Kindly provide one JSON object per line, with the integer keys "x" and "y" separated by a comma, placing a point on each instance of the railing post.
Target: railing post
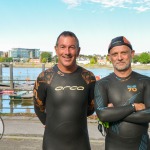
{"x": 11, "y": 76}
{"x": 0, "y": 72}
{"x": 1, "y": 105}
{"x": 43, "y": 67}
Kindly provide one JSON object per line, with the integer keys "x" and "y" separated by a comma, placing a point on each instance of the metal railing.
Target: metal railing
{"x": 10, "y": 86}
{"x": 20, "y": 97}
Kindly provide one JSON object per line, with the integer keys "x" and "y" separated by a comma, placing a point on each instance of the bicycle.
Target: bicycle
{"x": 1, "y": 127}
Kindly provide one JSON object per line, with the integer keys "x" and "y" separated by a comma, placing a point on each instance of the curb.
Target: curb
{"x": 41, "y": 138}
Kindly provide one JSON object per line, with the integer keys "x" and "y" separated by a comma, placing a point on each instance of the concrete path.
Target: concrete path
{"x": 25, "y": 133}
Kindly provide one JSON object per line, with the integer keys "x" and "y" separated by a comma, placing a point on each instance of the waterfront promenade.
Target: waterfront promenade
{"x": 48, "y": 65}
{"x": 25, "y": 133}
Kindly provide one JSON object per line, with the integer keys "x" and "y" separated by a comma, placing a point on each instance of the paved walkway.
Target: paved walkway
{"x": 25, "y": 133}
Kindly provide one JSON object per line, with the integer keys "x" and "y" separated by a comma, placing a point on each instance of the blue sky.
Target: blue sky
{"x": 37, "y": 23}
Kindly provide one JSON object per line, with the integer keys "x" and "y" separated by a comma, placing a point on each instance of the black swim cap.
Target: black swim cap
{"x": 120, "y": 40}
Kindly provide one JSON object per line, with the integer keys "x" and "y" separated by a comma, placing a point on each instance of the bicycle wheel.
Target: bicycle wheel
{"x": 1, "y": 127}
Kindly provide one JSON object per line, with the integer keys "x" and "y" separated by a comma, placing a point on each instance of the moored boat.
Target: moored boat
{"x": 8, "y": 92}
{"x": 17, "y": 95}
{"x": 27, "y": 99}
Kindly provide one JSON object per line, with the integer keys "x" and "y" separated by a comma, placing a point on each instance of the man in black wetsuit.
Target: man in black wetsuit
{"x": 123, "y": 100}
{"x": 63, "y": 98}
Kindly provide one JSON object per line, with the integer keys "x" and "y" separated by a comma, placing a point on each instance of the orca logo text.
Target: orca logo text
{"x": 72, "y": 88}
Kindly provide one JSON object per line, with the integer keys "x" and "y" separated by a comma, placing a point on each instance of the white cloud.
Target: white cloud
{"x": 142, "y": 9}
{"x": 112, "y": 3}
{"x": 138, "y": 5}
{"x": 72, "y": 3}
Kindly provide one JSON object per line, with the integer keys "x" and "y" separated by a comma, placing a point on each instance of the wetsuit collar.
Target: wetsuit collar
{"x": 57, "y": 68}
{"x": 122, "y": 79}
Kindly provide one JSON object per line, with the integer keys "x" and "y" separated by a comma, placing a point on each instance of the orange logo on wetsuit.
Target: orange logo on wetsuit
{"x": 132, "y": 88}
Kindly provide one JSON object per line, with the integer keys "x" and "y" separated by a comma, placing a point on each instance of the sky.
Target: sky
{"x": 37, "y": 23}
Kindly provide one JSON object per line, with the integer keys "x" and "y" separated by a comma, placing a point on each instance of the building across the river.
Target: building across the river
{"x": 24, "y": 53}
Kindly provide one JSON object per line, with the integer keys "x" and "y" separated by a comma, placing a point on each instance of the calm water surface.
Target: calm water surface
{"x": 9, "y": 106}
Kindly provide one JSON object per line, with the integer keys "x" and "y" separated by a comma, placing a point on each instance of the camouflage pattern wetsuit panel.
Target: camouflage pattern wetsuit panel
{"x": 62, "y": 102}
{"x": 128, "y": 129}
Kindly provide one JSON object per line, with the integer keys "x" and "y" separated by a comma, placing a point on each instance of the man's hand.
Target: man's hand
{"x": 110, "y": 105}
{"x": 139, "y": 106}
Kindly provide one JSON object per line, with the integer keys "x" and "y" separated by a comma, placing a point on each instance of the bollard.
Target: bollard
{"x": 43, "y": 67}
{"x": 0, "y": 72}
{"x": 11, "y": 76}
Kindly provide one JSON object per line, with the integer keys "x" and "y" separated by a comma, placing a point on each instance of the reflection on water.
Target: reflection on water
{"x": 8, "y": 105}
{"x": 26, "y": 106}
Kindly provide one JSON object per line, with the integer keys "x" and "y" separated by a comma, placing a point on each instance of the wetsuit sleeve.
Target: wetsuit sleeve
{"x": 91, "y": 99}
{"x": 142, "y": 116}
{"x": 104, "y": 113}
{"x": 40, "y": 98}
{"x": 139, "y": 117}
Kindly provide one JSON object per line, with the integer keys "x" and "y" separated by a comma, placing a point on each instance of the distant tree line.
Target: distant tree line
{"x": 143, "y": 58}
{"x": 6, "y": 59}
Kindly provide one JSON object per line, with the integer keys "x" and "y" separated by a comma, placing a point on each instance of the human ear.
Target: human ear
{"x": 109, "y": 58}
{"x": 78, "y": 51}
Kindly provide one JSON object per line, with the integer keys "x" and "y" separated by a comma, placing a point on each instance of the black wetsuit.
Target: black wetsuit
{"x": 128, "y": 129}
{"x": 62, "y": 102}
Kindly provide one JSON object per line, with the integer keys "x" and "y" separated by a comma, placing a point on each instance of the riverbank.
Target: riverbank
{"x": 92, "y": 66}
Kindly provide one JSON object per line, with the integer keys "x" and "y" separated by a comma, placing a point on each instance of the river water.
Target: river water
{"x": 7, "y": 106}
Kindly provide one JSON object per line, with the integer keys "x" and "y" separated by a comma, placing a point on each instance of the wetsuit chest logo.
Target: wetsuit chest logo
{"x": 132, "y": 88}
{"x": 72, "y": 88}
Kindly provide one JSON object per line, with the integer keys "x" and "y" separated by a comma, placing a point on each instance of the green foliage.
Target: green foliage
{"x": 6, "y": 59}
{"x": 2, "y": 59}
{"x": 28, "y": 60}
{"x": 44, "y": 60}
{"x": 144, "y": 58}
{"x": 107, "y": 58}
{"x": 55, "y": 59}
{"x": 47, "y": 56}
{"x": 135, "y": 59}
{"x": 93, "y": 60}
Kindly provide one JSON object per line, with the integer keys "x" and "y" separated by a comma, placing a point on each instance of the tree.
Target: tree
{"x": 47, "y": 56}
{"x": 2, "y": 59}
{"x": 135, "y": 59}
{"x": 44, "y": 60}
{"x": 55, "y": 59}
{"x": 9, "y": 59}
{"x": 93, "y": 60}
{"x": 144, "y": 58}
